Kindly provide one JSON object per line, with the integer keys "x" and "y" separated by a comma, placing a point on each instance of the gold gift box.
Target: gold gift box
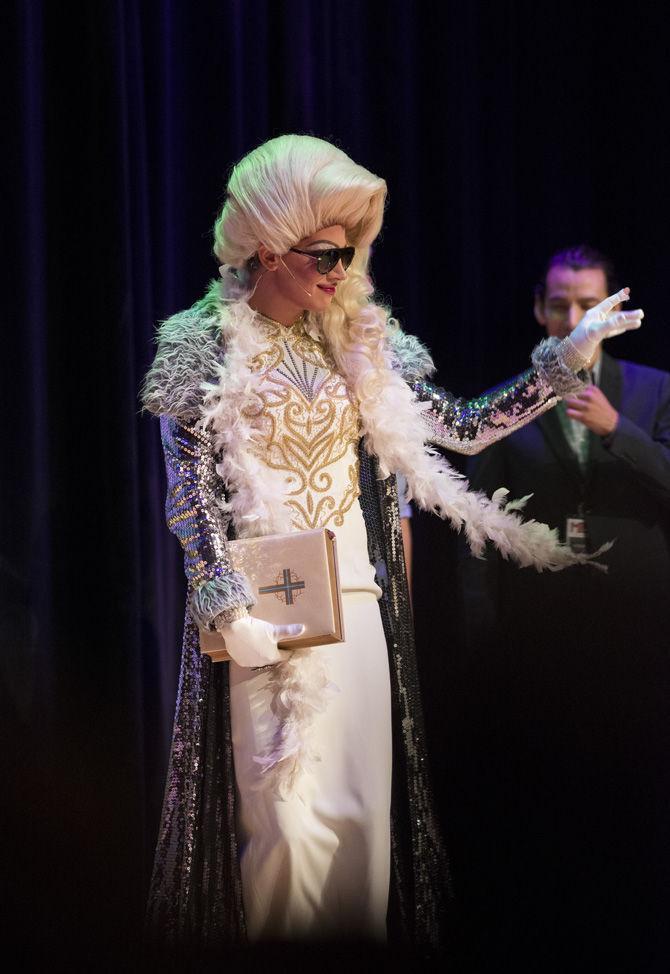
{"x": 294, "y": 578}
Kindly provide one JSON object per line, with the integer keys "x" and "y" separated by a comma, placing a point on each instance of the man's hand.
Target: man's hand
{"x": 592, "y": 408}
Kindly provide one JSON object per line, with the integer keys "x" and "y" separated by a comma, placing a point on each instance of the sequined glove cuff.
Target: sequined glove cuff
{"x": 570, "y": 356}
{"x": 228, "y": 591}
{"x": 561, "y": 365}
{"x": 230, "y": 615}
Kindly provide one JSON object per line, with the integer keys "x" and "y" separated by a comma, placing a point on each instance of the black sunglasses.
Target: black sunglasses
{"x": 327, "y": 259}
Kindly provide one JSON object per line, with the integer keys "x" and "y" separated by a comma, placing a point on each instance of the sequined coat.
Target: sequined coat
{"x": 195, "y": 894}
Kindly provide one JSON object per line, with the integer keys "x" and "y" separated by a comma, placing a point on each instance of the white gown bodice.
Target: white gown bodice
{"x": 308, "y": 428}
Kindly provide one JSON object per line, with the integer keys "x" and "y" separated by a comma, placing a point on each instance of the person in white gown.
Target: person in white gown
{"x": 287, "y": 397}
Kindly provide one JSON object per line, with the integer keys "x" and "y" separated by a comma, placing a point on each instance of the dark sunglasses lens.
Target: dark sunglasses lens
{"x": 329, "y": 258}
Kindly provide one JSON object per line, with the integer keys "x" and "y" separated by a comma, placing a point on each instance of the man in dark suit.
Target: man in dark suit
{"x": 578, "y": 699}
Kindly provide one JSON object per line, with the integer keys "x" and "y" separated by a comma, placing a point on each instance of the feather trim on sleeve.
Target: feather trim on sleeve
{"x": 229, "y": 591}
{"x": 407, "y": 354}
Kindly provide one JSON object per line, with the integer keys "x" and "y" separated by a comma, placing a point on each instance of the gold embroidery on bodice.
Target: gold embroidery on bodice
{"x": 307, "y": 426}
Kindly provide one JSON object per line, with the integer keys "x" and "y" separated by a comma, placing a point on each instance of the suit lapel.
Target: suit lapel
{"x": 611, "y": 381}
{"x": 553, "y": 434}
{"x": 611, "y": 384}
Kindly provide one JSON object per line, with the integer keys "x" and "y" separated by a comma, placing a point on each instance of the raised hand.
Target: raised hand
{"x": 253, "y": 642}
{"x": 599, "y": 323}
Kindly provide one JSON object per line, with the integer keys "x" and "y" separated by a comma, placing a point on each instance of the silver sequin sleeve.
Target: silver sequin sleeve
{"x": 469, "y": 426}
{"x": 194, "y": 513}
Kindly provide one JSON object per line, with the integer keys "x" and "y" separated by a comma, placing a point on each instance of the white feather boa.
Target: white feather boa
{"x": 256, "y": 492}
{"x": 393, "y": 430}
{"x": 299, "y": 686}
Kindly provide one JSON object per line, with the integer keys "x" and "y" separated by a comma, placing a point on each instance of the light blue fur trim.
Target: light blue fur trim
{"x": 410, "y": 357}
{"x": 189, "y": 352}
{"x": 229, "y": 591}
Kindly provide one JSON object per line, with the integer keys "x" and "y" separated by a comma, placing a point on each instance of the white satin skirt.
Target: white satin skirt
{"x": 317, "y": 864}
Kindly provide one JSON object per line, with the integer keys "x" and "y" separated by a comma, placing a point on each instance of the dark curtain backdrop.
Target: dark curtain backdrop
{"x": 504, "y": 131}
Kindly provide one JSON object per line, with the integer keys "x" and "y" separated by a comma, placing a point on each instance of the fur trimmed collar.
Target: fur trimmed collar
{"x": 192, "y": 347}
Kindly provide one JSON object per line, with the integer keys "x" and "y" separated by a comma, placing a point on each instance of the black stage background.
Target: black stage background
{"x": 504, "y": 131}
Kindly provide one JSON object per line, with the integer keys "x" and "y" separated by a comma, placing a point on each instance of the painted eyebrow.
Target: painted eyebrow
{"x": 329, "y": 242}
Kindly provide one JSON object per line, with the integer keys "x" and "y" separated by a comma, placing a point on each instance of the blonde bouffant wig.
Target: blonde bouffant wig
{"x": 290, "y": 187}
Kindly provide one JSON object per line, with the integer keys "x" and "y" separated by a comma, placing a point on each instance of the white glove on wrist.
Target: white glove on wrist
{"x": 598, "y": 324}
{"x": 253, "y": 642}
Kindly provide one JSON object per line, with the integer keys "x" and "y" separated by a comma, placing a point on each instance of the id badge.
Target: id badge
{"x": 575, "y": 534}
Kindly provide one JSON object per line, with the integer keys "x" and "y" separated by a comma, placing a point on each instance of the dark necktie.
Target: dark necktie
{"x": 575, "y": 432}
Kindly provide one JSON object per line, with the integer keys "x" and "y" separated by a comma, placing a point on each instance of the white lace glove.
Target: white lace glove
{"x": 253, "y": 642}
{"x": 596, "y": 325}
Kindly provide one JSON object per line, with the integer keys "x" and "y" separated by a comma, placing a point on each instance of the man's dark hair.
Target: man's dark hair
{"x": 579, "y": 258}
